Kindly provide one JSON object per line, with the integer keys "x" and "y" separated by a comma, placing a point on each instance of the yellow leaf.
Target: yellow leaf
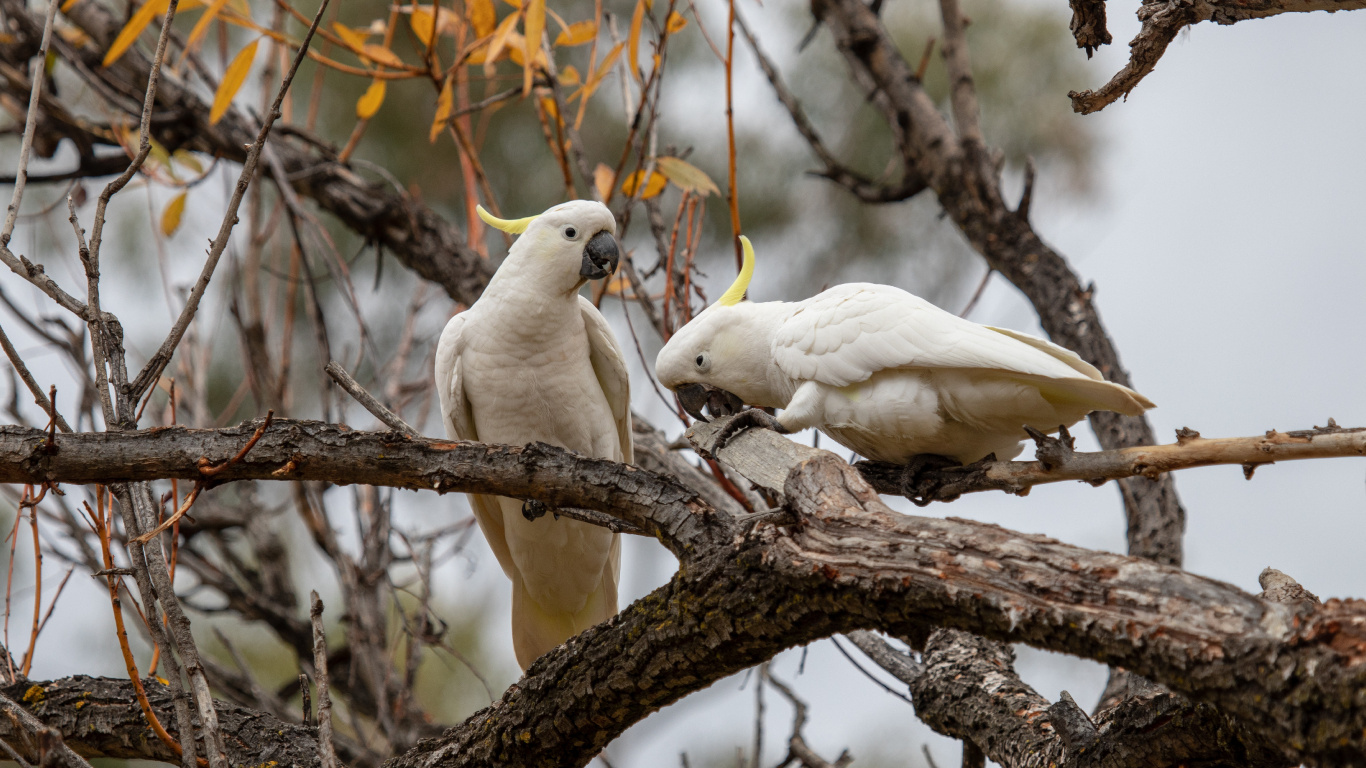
{"x": 369, "y": 102}
{"x": 443, "y": 110}
{"x": 535, "y": 28}
{"x": 633, "y": 42}
{"x": 514, "y": 3}
{"x": 482, "y": 16}
{"x": 686, "y": 176}
{"x": 603, "y": 69}
{"x": 499, "y": 41}
{"x": 603, "y": 178}
{"x": 243, "y": 7}
{"x": 653, "y": 186}
{"x": 170, "y": 217}
{"x": 618, "y": 285}
{"x": 569, "y": 76}
{"x": 149, "y": 10}
{"x": 353, "y": 39}
{"x": 74, "y": 36}
{"x": 578, "y": 33}
{"x": 548, "y": 105}
{"x": 66, "y": 6}
{"x": 422, "y": 23}
{"x": 381, "y": 55}
{"x": 202, "y": 25}
{"x": 233, "y": 77}
{"x": 676, "y": 22}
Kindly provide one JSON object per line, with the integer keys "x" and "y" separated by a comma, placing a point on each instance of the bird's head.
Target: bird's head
{"x": 570, "y": 243}
{"x": 721, "y": 359}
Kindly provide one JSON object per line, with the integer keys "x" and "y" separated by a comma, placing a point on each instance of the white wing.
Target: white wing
{"x": 846, "y": 334}
{"x": 609, "y": 365}
{"x": 459, "y": 422}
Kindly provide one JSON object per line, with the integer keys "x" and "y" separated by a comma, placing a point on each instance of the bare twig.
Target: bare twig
{"x": 38, "y": 396}
{"x": 375, "y": 407}
{"x": 37, "y": 72}
{"x": 327, "y": 755}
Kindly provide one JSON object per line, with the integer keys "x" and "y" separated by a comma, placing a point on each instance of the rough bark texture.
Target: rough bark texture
{"x": 100, "y": 717}
{"x": 743, "y": 593}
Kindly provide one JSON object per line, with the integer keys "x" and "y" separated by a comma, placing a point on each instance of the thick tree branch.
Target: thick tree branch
{"x": 1163, "y": 19}
{"x": 99, "y": 717}
{"x": 310, "y": 450}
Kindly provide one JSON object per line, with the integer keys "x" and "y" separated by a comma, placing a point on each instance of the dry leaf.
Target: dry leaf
{"x": 233, "y": 77}
{"x": 602, "y": 71}
{"x": 422, "y": 23}
{"x": 443, "y": 110}
{"x": 354, "y": 39}
{"x": 499, "y": 42}
{"x": 676, "y": 22}
{"x": 569, "y": 76}
{"x": 381, "y": 55}
{"x": 129, "y": 34}
{"x": 187, "y": 159}
{"x": 170, "y": 217}
{"x": 603, "y": 178}
{"x": 482, "y": 16}
{"x": 578, "y": 33}
{"x": 535, "y": 28}
{"x": 653, "y": 186}
{"x": 369, "y": 103}
{"x": 686, "y": 176}
{"x": 202, "y": 25}
{"x": 633, "y": 42}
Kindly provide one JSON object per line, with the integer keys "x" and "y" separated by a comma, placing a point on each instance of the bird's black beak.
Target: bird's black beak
{"x": 718, "y": 402}
{"x": 600, "y": 256}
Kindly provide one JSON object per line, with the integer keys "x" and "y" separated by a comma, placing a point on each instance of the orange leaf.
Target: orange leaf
{"x": 170, "y": 217}
{"x": 603, "y": 178}
{"x": 633, "y": 42}
{"x": 578, "y": 33}
{"x": 603, "y": 69}
{"x": 422, "y": 23}
{"x": 353, "y": 39}
{"x": 381, "y": 55}
{"x": 443, "y": 111}
{"x": 482, "y": 16}
{"x": 369, "y": 102}
{"x": 535, "y": 28}
{"x": 676, "y": 22}
{"x": 202, "y": 25}
{"x": 569, "y": 76}
{"x": 233, "y": 77}
{"x": 129, "y": 34}
{"x": 653, "y": 186}
{"x": 499, "y": 41}
{"x": 686, "y": 176}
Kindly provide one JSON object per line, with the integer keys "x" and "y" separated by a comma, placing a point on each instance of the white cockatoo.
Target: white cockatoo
{"x": 531, "y": 361}
{"x": 882, "y": 372}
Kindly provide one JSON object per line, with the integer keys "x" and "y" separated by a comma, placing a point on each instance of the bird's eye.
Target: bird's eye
{"x": 570, "y": 233}
{"x": 703, "y": 363}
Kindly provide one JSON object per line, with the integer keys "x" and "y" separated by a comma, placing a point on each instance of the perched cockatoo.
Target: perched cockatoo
{"x": 882, "y": 372}
{"x": 533, "y": 360}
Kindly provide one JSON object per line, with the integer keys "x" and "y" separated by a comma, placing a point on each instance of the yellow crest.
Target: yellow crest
{"x": 511, "y": 226}
{"x": 736, "y": 292}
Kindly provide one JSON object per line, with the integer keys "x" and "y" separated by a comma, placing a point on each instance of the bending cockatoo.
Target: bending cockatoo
{"x": 531, "y": 361}
{"x": 882, "y": 372}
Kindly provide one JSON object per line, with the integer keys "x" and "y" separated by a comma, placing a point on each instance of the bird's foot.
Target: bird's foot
{"x": 532, "y": 509}
{"x": 1052, "y": 452}
{"x": 926, "y": 477}
{"x": 747, "y": 419}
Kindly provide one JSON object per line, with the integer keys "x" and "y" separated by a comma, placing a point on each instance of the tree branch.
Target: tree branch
{"x": 1163, "y": 19}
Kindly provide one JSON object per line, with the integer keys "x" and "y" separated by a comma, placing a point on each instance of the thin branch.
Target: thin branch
{"x": 375, "y": 407}
{"x": 34, "y": 389}
{"x": 37, "y": 69}
{"x": 327, "y": 755}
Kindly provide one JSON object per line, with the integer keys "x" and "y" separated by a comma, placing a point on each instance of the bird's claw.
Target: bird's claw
{"x": 747, "y": 419}
{"x": 532, "y": 509}
{"x": 1052, "y": 452}
{"x": 921, "y": 478}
